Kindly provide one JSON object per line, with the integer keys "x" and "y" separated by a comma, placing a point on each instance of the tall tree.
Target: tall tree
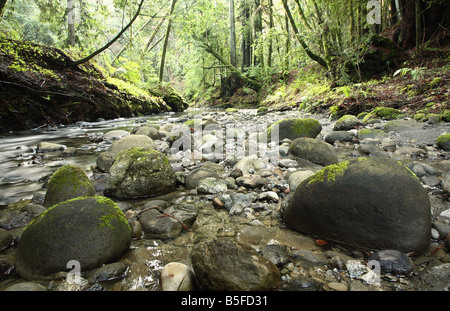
{"x": 315, "y": 57}
{"x": 166, "y": 40}
{"x": 233, "y": 76}
{"x": 71, "y": 23}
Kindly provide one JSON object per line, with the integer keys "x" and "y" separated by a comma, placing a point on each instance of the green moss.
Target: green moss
{"x": 362, "y": 115}
{"x": 446, "y": 115}
{"x": 105, "y": 221}
{"x": 443, "y": 139}
{"x": 329, "y": 173}
{"x": 70, "y": 174}
{"x": 190, "y": 122}
{"x": 383, "y": 112}
{"x": 304, "y": 126}
{"x": 435, "y": 82}
{"x": 231, "y": 110}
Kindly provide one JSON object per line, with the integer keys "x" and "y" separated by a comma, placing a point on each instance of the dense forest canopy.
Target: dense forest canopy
{"x": 198, "y": 46}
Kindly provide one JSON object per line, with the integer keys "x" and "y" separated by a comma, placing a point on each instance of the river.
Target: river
{"x": 23, "y": 169}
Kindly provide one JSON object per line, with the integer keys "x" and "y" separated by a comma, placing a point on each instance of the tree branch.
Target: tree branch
{"x": 89, "y": 57}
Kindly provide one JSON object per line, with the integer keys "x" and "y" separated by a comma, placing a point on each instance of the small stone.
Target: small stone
{"x": 338, "y": 286}
{"x": 176, "y": 276}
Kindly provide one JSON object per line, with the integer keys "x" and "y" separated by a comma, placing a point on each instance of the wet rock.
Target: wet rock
{"x": 19, "y": 215}
{"x": 292, "y": 129}
{"x": 276, "y": 254}
{"x": 443, "y": 142}
{"x": 393, "y": 262}
{"x": 194, "y": 177}
{"x": 91, "y": 229}
{"x": 169, "y": 223}
{"x": 314, "y": 150}
{"x": 224, "y": 264}
{"x": 150, "y": 132}
{"x": 106, "y": 159}
{"x": 346, "y": 123}
{"x": 176, "y": 276}
{"x": 115, "y": 135}
{"x": 5, "y": 239}
{"x": 395, "y": 213}
{"x": 211, "y": 185}
{"x": 436, "y": 278}
{"x": 138, "y": 173}
{"x": 335, "y": 136}
{"x": 25, "y": 287}
{"x": 109, "y": 272}
{"x": 250, "y": 163}
{"x": 302, "y": 283}
{"x": 66, "y": 183}
{"x": 297, "y": 177}
{"x": 49, "y": 147}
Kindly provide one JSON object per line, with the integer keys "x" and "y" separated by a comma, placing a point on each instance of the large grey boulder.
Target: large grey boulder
{"x": 373, "y": 203}
{"x": 90, "y": 230}
{"x": 314, "y": 150}
{"x": 138, "y": 173}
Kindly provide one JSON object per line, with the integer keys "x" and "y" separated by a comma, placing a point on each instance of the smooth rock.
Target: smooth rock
{"x": 226, "y": 265}
{"x": 176, "y": 276}
{"x": 371, "y": 202}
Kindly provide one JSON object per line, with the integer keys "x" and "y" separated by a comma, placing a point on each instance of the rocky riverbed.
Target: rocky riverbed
{"x": 205, "y": 213}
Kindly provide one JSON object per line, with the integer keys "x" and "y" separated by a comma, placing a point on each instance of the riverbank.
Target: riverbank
{"x": 240, "y": 200}
{"x": 41, "y": 87}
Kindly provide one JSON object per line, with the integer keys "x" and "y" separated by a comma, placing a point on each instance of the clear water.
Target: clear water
{"x": 22, "y": 168}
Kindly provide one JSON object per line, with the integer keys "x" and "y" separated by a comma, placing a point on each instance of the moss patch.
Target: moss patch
{"x": 329, "y": 173}
{"x": 383, "y": 112}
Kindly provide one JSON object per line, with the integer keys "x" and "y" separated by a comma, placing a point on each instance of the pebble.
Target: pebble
{"x": 338, "y": 286}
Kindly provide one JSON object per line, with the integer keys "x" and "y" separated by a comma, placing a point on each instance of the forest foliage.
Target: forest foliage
{"x": 213, "y": 48}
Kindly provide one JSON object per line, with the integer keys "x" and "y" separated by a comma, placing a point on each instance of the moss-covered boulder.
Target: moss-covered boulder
{"x": 138, "y": 173}
{"x": 346, "y": 123}
{"x": 385, "y": 113}
{"x": 292, "y": 129}
{"x": 66, "y": 183}
{"x": 314, "y": 150}
{"x": 106, "y": 159}
{"x": 443, "y": 142}
{"x": 372, "y": 203}
{"x": 91, "y": 230}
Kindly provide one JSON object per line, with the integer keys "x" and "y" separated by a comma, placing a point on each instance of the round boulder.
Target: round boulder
{"x": 106, "y": 159}
{"x": 66, "y": 183}
{"x": 138, "y": 173}
{"x": 314, "y": 150}
{"x": 292, "y": 129}
{"x": 373, "y": 203}
{"x": 91, "y": 230}
{"x": 227, "y": 265}
{"x": 346, "y": 123}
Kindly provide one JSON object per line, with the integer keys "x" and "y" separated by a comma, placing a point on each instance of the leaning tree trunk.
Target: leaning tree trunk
{"x": 166, "y": 40}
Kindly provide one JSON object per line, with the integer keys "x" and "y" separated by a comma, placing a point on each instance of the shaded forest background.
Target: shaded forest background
{"x": 225, "y": 53}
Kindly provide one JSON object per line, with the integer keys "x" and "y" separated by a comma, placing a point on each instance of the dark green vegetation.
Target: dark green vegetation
{"x": 123, "y": 58}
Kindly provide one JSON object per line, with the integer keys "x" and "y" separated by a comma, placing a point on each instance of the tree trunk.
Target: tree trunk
{"x": 270, "y": 49}
{"x": 71, "y": 23}
{"x": 2, "y": 6}
{"x": 308, "y": 51}
{"x": 233, "y": 76}
{"x": 246, "y": 45}
{"x": 166, "y": 40}
{"x": 89, "y": 57}
{"x": 252, "y": 83}
{"x": 418, "y": 13}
